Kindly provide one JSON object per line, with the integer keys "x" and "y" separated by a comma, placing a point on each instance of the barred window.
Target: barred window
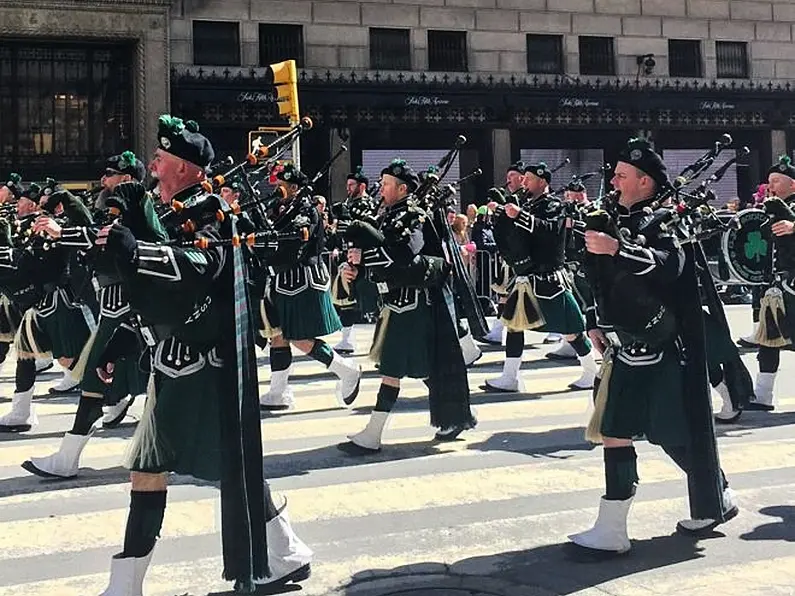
{"x": 545, "y": 54}
{"x": 684, "y": 58}
{"x": 390, "y": 49}
{"x": 281, "y": 42}
{"x": 447, "y": 51}
{"x": 732, "y": 59}
{"x": 597, "y": 56}
{"x": 216, "y": 43}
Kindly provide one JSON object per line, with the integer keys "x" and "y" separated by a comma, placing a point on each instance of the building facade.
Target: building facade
{"x": 539, "y": 79}
{"x": 79, "y": 80}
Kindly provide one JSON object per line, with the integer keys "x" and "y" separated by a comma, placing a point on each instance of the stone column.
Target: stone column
{"x": 339, "y": 169}
{"x": 778, "y": 143}
{"x": 501, "y": 143}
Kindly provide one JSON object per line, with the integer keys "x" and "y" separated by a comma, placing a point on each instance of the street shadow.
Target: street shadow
{"x": 752, "y": 420}
{"x": 261, "y": 591}
{"x": 543, "y": 444}
{"x": 557, "y": 569}
{"x": 124, "y": 431}
{"x": 783, "y": 530}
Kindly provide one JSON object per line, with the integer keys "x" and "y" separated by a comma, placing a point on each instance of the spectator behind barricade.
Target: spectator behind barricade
{"x": 461, "y": 233}
{"x": 472, "y": 213}
{"x": 482, "y": 234}
{"x": 762, "y": 192}
{"x": 451, "y": 213}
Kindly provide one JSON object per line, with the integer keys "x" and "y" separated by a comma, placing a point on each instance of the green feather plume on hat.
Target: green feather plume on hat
{"x": 171, "y": 123}
{"x": 398, "y": 162}
{"x": 127, "y": 160}
{"x": 785, "y": 159}
{"x": 15, "y": 178}
{"x": 542, "y": 164}
{"x": 360, "y": 169}
{"x": 433, "y": 169}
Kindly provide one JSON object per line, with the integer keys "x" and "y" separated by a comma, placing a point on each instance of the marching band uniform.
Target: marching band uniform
{"x": 122, "y": 179}
{"x": 576, "y": 199}
{"x": 201, "y": 416}
{"x": 416, "y": 334}
{"x": 514, "y": 176}
{"x": 297, "y": 307}
{"x": 647, "y": 385}
{"x": 54, "y": 325}
{"x": 777, "y": 313}
{"x": 539, "y": 296}
{"x": 359, "y": 298}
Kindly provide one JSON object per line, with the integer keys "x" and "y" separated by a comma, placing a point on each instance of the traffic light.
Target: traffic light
{"x": 285, "y": 80}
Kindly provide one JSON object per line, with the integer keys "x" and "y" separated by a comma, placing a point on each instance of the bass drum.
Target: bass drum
{"x": 747, "y": 249}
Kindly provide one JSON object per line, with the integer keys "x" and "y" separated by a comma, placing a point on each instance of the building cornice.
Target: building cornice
{"x": 89, "y": 5}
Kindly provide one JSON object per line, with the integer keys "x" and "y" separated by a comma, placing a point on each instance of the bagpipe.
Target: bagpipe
{"x": 434, "y": 199}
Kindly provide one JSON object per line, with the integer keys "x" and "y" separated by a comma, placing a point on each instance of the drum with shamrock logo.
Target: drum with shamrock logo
{"x": 747, "y": 248}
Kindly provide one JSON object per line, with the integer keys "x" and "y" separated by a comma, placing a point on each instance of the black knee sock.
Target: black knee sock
{"x": 143, "y": 523}
{"x": 581, "y": 345}
{"x": 348, "y": 316}
{"x": 715, "y": 374}
{"x": 25, "y": 375}
{"x": 271, "y": 511}
{"x": 281, "y": 358}
{"x": 322, "y": 352}
{"x": 514, "y": 344}
{"x": 387, "y": 398}
{"x": 89, "y": 410}
{"x": 621, "y": 473}
{"x": 4, "y": 348}
{"x": 768, "y": 359}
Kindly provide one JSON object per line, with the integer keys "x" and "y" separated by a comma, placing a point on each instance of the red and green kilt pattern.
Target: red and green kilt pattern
{"x": 645, "y": 396}
{"x": 55, "y": 327}
{"x": 185, "y": 425}
{"x": 404, "y": 339}
{"x": 306, "y": 315}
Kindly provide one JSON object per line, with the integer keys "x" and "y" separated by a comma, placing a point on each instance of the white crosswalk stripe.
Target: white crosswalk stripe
{"x": 518, "y": 483}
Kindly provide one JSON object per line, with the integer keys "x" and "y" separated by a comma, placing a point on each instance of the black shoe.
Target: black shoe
{"x": 756, "y": 406}
{"x": 352, "y": 448}
{"x": 731, "y": 420}
{"x": 707, "y": 529}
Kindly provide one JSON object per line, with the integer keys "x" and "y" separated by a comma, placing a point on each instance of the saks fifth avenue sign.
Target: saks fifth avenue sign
{"x": 426, "y": 100}
{"x": 255, "y": 97}
{"x": 578, "y": 102}
{"x": 716, "y": 105}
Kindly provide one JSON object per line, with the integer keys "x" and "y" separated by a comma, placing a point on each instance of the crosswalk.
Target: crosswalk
{"x": 501, "y": 500}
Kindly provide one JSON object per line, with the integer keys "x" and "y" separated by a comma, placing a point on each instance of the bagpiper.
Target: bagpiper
{"x": 416, "y": 335}
{"x": 645, "y": 311}
{"x": 297, "y": 307}
{"x": 201, "y": 417}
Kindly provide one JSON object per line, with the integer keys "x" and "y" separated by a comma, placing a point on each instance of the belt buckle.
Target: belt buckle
{"x": 149, "y": 337}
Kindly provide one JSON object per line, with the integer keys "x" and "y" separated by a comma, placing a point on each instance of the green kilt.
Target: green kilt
{"x": 184, "y": 415}
{"x": 645, "y": 396}
{"x": 561, "y": 314}
{"x": 405, "y": 339}
{"x": 55, "y": 326}
{"x": 306, "y": 315}
{"x": 128, "y": 379}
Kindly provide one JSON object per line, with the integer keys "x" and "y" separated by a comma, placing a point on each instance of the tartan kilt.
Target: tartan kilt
{"x": 55, "y": 327}
{"x": 306, "y": 315}
{"x": 179, "y": 431}
{"x": 645, "y": 396}
{"x": 404, "y": 339}
{"x": 10, "y": 317}
{"x": 127, "y": 375}
{"x": 561, "y": 314}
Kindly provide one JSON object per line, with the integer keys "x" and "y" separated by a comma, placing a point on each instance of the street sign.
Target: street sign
{"x": 265, "y": 136}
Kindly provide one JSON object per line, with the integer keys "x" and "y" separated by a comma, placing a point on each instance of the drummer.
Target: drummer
{"x": 776, "y": 331}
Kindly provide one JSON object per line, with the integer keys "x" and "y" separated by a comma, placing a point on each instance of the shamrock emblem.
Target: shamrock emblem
{"x": 165, "y": 143}
{"x": 782, "y": 167}
{"x": 635, "y": 154}
{"x": 540, "y": 172}
{"x": 755, "y": 246}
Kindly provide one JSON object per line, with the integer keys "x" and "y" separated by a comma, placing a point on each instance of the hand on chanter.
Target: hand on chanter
{"x": 783, "y": 228}
{"x": 599, "y": 243}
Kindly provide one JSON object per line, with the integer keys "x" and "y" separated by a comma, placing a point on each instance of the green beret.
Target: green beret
{"x": 539, "y": 169}
{"x": 403, "y": 172}
{"x": 516, "y": 167}
{"x": 183, "y": 140}
{"x": 14, "y": 184}
{"x": 358, "y": 176}
{"x": 783, "y": 167}
{"x": 639, "y": 153}
{"x": 575, "y": 185}
{"x": 292, "y": 175}
{"x": 127, "y": 163}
